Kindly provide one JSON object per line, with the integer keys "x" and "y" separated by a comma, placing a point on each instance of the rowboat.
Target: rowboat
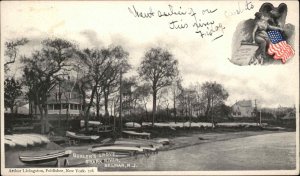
{"x": 138, "y": 144}
{"x": 58, "y": 139}
{"x": 104, "y": 129}
{"x": 9, "y": 143}
{"x": 47, "y": 158}
{"x": 134, "y": 133}
{"x": 272, "y": 128}
{"x": 27, "y": 140}
{"x": 116, "y": 148}
{"x": 142, "y": 146}
{"x": 132, "y": 125}
{"x": 34, "y": 139}
{"x": 148, "y": 148}
{"x": 23, "y": 128}
{"x": 90, "y": 123}
{"x": 18, "y": 141}
{"x": 163, "y": 141}
{"x": 80, "y": 136}
{"x": 43, "y": 139}
{"x": 152, "y": 143}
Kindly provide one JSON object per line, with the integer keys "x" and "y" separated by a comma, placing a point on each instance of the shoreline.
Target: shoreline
{"x": 184, "y": 140}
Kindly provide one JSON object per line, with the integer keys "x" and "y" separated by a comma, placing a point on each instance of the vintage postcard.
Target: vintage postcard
{"x": 150, "y": 87}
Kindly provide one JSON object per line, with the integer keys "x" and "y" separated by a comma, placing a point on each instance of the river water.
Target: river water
{"x": 263, "y": 152}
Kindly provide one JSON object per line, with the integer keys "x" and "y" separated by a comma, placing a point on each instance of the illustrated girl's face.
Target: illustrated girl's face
{"x": 264, "y": 17}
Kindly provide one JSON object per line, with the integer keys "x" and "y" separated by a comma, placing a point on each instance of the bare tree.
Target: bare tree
{"x": 11, "y": 51}
{"x": 98, "y": 101}
{"x": 101, "y": 69}
{"x": 176, "y": 89}
{"x": 68, "y": 86}
{"x": 42, "y": 71}
{"x": 187, "y": 100}
{"x": 130, "y": 96}
{"x": 199, "y": 104}
{"x": 159, "y": 68}
{"x": 213, "y": 94}
{"x": 163, "y": 102}
{"x": 12, "y": 90}
{"x": 110, "y": 82}
{"x": 94, "y": 64}
{"x": 84, "y": 84}
{"x": 141, "y": 93}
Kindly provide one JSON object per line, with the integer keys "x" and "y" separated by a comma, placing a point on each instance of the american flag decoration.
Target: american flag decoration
{"x": 279, "y": 47}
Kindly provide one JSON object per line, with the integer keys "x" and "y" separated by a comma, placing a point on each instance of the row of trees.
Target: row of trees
{"x": 100, "y": 80}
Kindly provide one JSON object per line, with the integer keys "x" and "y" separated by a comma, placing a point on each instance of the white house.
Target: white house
{"x": 243, "y": 108}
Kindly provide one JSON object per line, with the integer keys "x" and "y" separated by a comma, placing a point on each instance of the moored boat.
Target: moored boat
{"x": 18, "y": 141}
{"x": 145, "y": 147}
{"x": 80, "y": 136}
{"x": 104, "y": 129}
{"x": 90, "y": 123}
{"x": 116, "y": 148}
{"x": 148, "y": 148}
{"x": 34, "y": 139}
{"x": 9, "y": 143}
{"x": 134, "y": 133}
{"x": 43, "y": 139}
{"x": 153, "y": 146}
{"x": 273, "y": 128}
{"x": 139, "y": 142}
{"x": 23, "y": 128}
{"x": 26, "y": 139}
{"x": 163, "y": 141}
{"x": 132, "y": 125}
{"x": 42, "y": 159}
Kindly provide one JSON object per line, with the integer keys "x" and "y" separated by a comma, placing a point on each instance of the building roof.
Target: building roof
{"x": 244, "y": 103}
{"x": 289, "y": 116}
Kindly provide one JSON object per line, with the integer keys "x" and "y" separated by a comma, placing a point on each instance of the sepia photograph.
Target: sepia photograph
{"x": 150, "y": 87}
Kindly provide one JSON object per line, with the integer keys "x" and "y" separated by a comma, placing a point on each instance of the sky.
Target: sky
{"x": 100, "y": 24}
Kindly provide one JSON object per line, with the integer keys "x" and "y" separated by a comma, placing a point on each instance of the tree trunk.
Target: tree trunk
{"x": 154, "y": 107}
{"x": 68, "y": 111}
{"x": 42, "y": 119}
{"x": 12, "y": 109}
{"x": 121, "y": 103}
{"x": 98, "y": 105}
{"x": 86, "y": 119}
{"x": 146, "y": 112}
{"x": 168, "y": 117}
{"x": 134, "y": 106}
{"x": 186, "y": 112}
{"x": 35, "y": 109}
{"x": 46, "y": 119}
{"x": 174, "y": 108}
{"x": 83, "y": 108}
{"x": 147, "y": 116}
{"x": 212, "y": 116}
{"x": 207, "y": 108}
{"x": 190, "y": 115}
{"x": 88, "y": 106}
{"x": 106, "y": 104}
{"x": 30, "y": 109}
